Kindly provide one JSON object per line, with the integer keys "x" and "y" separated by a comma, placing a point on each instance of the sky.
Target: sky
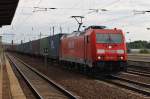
{"x": 29, "y": 23}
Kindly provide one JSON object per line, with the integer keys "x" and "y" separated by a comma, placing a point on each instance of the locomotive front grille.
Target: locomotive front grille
{"x": 110, "y": 51}
{"x": 110, "y": 57}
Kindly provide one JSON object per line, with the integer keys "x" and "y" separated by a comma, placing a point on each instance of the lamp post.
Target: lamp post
{"x": 129, "y": 38}
{"x": 129, "y": 45}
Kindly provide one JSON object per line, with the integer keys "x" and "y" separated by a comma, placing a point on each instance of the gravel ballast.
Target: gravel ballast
{"x": 81, "y": 85}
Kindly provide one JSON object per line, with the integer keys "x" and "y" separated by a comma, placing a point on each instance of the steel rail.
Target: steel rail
{"x": 37, "y": 94}
{"x": 141, "y": 71}
{"x": 136, "y": 87}
{"x": 131, "y": 85}
{"x": 59, "y": 87}
{"x": 138, "y": 73}
{"x": 131, "y": 81}
{"x": 142, "y": 67}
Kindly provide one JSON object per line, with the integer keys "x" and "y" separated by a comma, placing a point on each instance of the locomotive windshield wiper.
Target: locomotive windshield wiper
{"x": 110, "y": 39}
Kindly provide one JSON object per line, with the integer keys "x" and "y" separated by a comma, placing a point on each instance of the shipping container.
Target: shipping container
{"x": 50, "y": 45}
{"x": 55, "y": 46}
{"x": 35, "y": 47}
{"x": 27, "y": 48}
{"x": 44, "y": 45}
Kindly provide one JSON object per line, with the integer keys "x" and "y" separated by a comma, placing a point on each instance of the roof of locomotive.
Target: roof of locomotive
{"x": 93, "y": 27}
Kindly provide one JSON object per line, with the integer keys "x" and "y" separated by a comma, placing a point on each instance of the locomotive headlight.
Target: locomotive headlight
{"x": 120, "y": 51}
{"x": 100, "y": 51}
{"x": 121, "y": 58}
{"x": 99, "y": 57}
{"x": 109, "y": 47}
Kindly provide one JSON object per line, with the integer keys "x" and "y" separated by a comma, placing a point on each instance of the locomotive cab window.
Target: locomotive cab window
{"x": 109, "y": 38}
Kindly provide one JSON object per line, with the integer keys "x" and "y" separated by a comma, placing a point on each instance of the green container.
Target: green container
{"x": 44, "y": 45}
{"x": 50, "y": 46}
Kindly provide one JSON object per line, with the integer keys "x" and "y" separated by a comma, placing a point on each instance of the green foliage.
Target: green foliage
{"x": 139, "y": 45}
{"x": 144, "y": 51}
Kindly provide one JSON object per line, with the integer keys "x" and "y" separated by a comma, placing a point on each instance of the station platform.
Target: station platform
{"x": 9, "y": 84}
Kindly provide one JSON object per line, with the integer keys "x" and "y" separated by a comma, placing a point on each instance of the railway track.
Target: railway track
{"x": 138, "y": 72}
{"x": 41, "y": 85}
{"x": 138, "y": 87}
{"x": 140, "y": 67}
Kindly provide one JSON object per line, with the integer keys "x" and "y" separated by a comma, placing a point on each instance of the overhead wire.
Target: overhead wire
{"x": 102, "y": 8}
{"x": 92, "y": 10}
{"x": 96, "y": 10}
{"x": 114, "y": 2}
{"x": 22, "y": 23}
{"x": 74, "y": 8}
{"x": 115, "y": 19}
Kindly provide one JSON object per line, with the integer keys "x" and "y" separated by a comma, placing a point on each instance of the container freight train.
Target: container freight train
{"x": 95, "y": 49}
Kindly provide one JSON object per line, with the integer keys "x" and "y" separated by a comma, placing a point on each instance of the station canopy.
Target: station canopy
{"x": 7, "y": 11}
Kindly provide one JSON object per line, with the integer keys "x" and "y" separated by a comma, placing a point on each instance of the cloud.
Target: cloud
{"x": 120, "y": 14}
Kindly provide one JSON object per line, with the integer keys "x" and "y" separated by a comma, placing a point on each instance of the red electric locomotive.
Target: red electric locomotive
{"x": 97, "y": 48}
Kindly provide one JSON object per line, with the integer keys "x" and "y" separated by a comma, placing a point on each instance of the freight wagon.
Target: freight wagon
{"x": 35, "y": 47}
{"x": 51, "y": 45}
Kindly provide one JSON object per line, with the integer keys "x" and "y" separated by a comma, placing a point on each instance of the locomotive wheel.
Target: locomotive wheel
{"x": 84, "y": 69}
{"x": 81, "y": 69}
{"x": 89, "y": 71}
